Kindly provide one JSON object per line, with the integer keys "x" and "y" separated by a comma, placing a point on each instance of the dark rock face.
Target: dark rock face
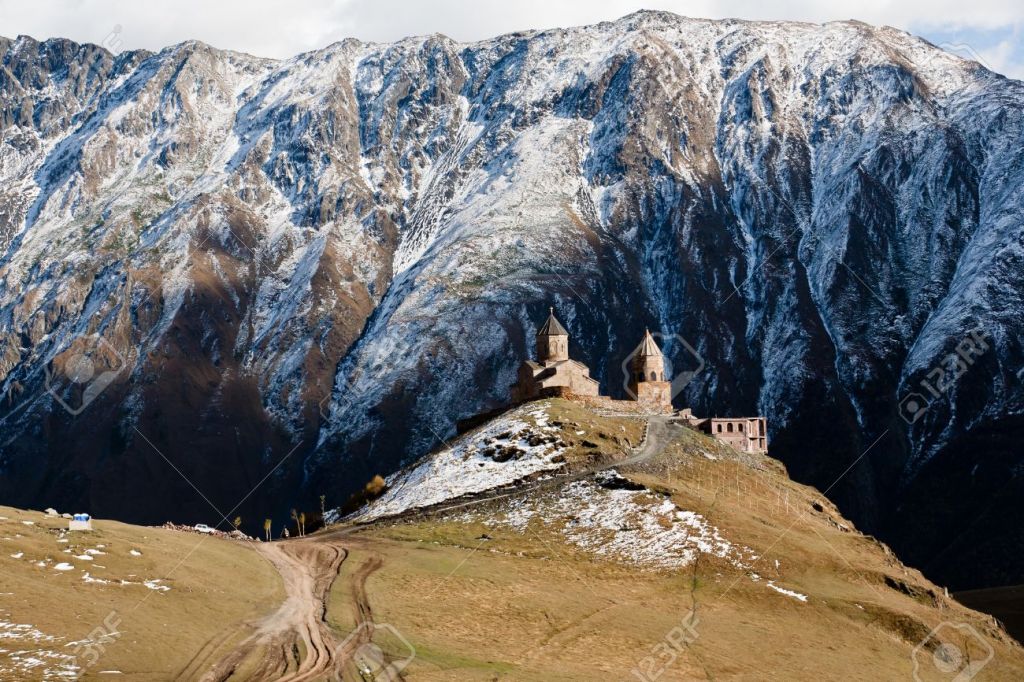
{"x": 305, "y": 272}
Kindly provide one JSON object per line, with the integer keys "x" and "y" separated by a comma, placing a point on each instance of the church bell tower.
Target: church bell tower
{"x": 552, "y": 340}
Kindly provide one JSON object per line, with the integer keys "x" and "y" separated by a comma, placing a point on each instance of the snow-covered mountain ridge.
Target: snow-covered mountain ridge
{"x": 319, "y": 264}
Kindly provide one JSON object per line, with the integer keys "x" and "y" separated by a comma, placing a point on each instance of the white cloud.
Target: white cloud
{"x": 1002, "y": 57}
{"x": 1005, "y": 56}
{"x": 277, "y": 29}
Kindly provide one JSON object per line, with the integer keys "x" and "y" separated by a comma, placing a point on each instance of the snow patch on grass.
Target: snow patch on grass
{"x": 99, "y": 581}
{"x": 24, "y": 655}
{"x": 788, "y": 593}
{"x": 507, "y": 450}
{"x": 635, "y": 527}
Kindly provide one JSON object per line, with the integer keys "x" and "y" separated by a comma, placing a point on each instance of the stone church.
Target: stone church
{"x": 554, "y": 373}
{"x": 647, "y": 383}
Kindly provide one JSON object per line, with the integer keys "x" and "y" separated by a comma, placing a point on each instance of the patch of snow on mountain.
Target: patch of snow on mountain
{"x": 788, "y": 593}
{"x": 24, "y": 654}
{"x": 473, "y": 464}
{"x": 635, "y": 527}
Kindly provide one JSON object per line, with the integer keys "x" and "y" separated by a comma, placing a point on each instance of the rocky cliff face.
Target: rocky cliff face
{"x": 218, "y": 268}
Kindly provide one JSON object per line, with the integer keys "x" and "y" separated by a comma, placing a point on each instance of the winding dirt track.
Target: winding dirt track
{"x": 295, "y": 643}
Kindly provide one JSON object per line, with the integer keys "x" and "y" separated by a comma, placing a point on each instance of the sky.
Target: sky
{"x": 988, "y": 31}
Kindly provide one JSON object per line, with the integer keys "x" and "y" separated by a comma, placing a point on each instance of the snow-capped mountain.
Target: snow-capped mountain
{"x": 218, "y": 268}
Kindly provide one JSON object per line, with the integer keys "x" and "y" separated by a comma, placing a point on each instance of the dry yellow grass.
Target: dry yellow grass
{"x": 590, "y": 437}
{"x": 486, "y": 602}
{"x": 502, "y": 589}
{"x": 213, "y": 584}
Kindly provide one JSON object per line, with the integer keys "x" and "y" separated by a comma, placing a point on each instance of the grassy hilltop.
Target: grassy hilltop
{"x": 554, "y": 542}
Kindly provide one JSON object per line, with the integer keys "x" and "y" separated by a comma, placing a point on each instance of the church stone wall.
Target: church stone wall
{"x": 655, "y": 394}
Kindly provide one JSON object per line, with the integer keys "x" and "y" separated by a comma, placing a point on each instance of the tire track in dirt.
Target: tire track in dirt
{"x": 362, "y": 616}
{"x": 295, "y": 642}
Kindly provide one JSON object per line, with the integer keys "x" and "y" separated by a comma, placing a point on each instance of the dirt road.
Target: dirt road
{"x": 660, "y": 432}
{"x": 295, "y": 643}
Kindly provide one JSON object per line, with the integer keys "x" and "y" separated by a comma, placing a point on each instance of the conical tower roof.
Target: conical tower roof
{"x": 648, "y": 346}
{"x": 552, "y": 327}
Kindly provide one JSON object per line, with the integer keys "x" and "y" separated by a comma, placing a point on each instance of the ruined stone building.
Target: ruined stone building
{"x": 554, "y": 373}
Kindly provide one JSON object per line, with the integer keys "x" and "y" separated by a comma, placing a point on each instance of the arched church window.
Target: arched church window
{"x": 719, "y": 428}
{"x": 728, "y": 427}
{"x": 741, "y": 428}
{"x": 653, "y": 376}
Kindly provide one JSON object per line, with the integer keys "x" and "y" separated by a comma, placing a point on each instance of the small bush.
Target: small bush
{"x": 373, "y": 489}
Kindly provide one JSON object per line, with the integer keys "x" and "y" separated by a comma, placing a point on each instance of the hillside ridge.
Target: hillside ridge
{"x": 676, "y": 556}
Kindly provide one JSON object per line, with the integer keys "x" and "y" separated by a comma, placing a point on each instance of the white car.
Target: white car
{"x": 203, "y": 528}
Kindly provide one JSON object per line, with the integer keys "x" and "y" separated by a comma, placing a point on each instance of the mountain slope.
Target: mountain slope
{"x": 309, "y": 269}
{"x": 672, "y": 555}
{"x": 119, "y": 599}
{"x": 693, "y": 562}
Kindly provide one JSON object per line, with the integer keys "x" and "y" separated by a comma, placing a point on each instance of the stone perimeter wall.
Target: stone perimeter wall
{"x": 604, "y": 402}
